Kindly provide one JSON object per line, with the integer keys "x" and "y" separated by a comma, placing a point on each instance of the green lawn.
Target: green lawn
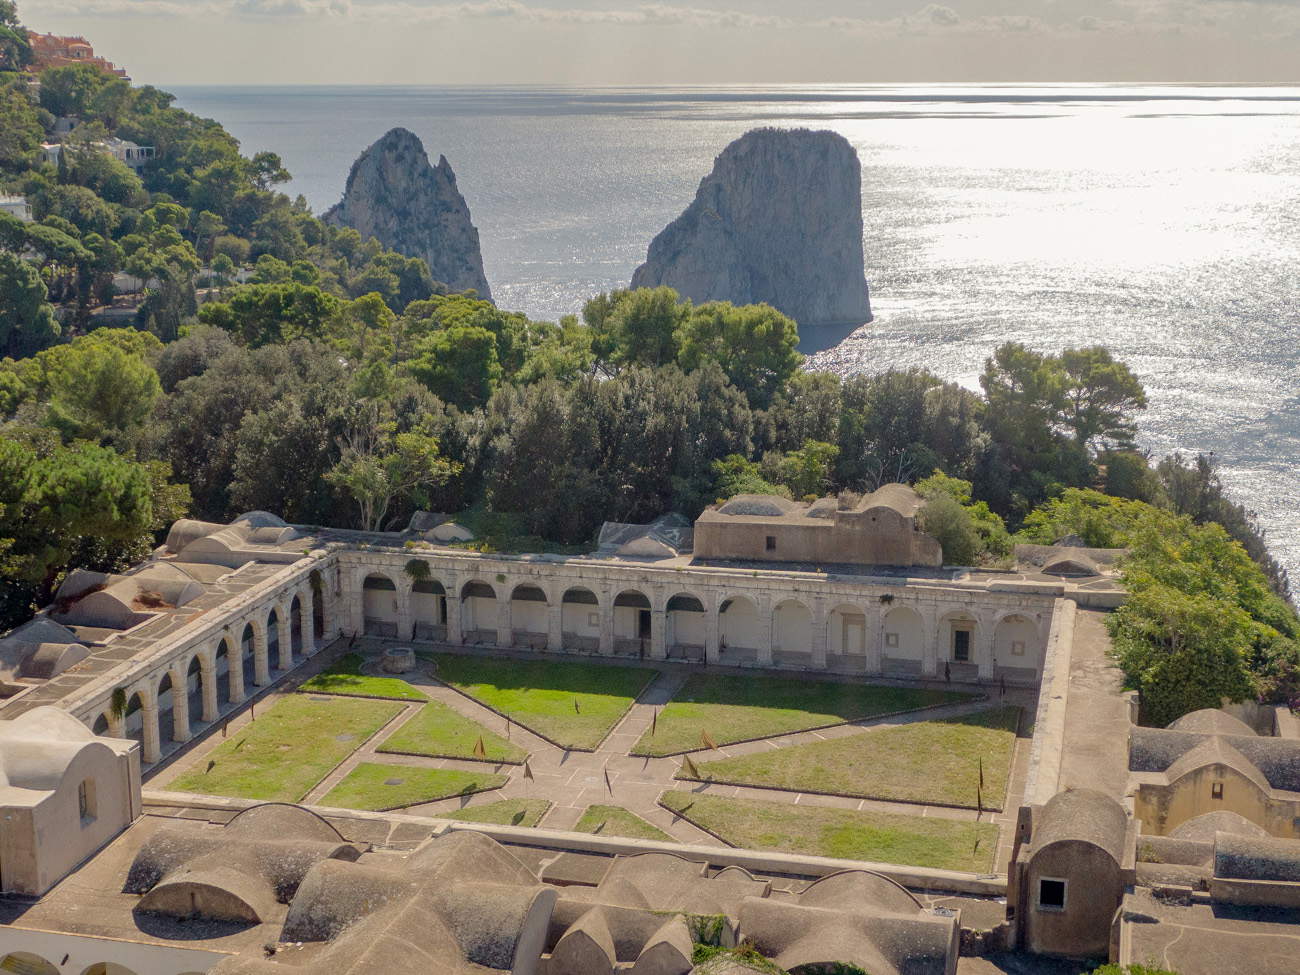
{"x": 345, "y": 677}
{"x": 617, "y": 821}
{"x": 733, "y": 709}
{"x": 288, "y": 749}
{"x": 443, "y": 732}
{"x": 504, "y": 812}
{"x": 928, "y": 761}
{"x": 845, "y": 833}
{"x": 378, "y": 787}
{"x": 573, "y": 704}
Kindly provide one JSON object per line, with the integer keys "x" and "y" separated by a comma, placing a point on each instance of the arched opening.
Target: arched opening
{"x": 902, "y": 642}
{"x": 133, "y": 722}
{"x": 1017, "y": 648}
{"x": 684, "y": 627}
{"x": 108, "y": 968}
{"x": 295, "y": 628}
{"x": 580, "y": 620}
{"x": 166, "y": 708}
{"x": 317, "y": 618}
{"x": 957, "y": 647}
{"x": 25, "y": 963}
{"x": 739, "y": 630}
{"x": 273, "y": 640}
{"x": 379, "y": 606}
{"x": 101, "y": 726}
{"x": 846, "y": 639}
{"x": 194, "y": 690}
{"x": 632, "y": 624}
{"x": 248, "y": 657}
{"x": 478, "y": 612}
{"x": 528, "y": 617}
{"x": 429, "y": 609}
{"x": 791, "y": 634}
{"x": 221, "y": 670}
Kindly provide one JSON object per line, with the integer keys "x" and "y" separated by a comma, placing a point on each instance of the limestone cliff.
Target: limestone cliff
{"x": 396, "y": 196}
{"x": 779, "y": 220}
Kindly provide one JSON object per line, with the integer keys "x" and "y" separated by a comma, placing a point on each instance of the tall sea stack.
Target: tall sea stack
{"x": 779, "y": 220}
{"x": 396, "y": 196}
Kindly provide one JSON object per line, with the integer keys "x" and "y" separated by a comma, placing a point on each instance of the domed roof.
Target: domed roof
{"x": 1211, "y": 721}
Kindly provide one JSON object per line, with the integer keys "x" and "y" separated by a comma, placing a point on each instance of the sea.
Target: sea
{"x": 1160, "y": 221}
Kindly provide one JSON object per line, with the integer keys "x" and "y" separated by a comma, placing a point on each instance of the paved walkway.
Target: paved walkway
{"x": 574, "y": 780}
{"x": 1097, "y": 722}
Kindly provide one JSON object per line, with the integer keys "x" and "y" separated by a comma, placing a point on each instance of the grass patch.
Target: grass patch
{"x": 928, "y": 762}
{"x": 541, "y": 694}
{"x": 617, "y": 821}
{"x": 378, "y": 787}
{"x": 504, "y": 812}
{"x": 442, "y": 732}
{"x": 734, "y": 709}
{"x": 288, "y": 749}
{"x": 345, "y": 677}
{"x": 845, "y": 833}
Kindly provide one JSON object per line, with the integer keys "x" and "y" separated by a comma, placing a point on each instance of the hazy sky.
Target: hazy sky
{"x": 685, "y": 42}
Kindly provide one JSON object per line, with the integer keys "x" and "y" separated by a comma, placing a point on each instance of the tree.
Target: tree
{"x": 736, "y": 474}
{"x": 636, "y": 327}
{"x": 951, "y": 524}
{"x": 20, "y": 125}
{"x": 27, "y": 322}
{"x": 267, "y": 170}
{"x": 15, "y": 49}
{"x": 262, "y": 314}
{"x": 807, "y": 408}
{"x": 379, "y": 465}
{"x": 807, "y": 471}
{"x": 99, "y": 391}
{"x": 459, "y": 365}
{"x": 969, "y": 532}
{"x": 755, "y": 345}
{"x": 70, "y": 89}
{"x": 1100, "y": 396}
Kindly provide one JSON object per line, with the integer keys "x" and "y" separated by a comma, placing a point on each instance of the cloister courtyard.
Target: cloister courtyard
{"x": 922, "y": 773}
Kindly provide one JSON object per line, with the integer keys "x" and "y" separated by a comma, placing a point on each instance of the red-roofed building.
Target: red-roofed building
{"x": 52, "y": 51}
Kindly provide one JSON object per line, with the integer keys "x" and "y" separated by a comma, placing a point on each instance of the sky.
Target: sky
{"x": 689, "y": 42}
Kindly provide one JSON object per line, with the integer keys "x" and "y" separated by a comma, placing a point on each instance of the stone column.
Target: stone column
{"x": 405, "y": 613}
{"x": 261, "y": 663}
{"x": 180, "y": 710}
{"x": 606, "y": 622}
{"x": 284, "y": 634}
{"x": 208, "y": 678}
{"x": 116, "y": 725}
{"x": 150, "y": 750}
{"x": 712, "y": 631}
{"x": 659, "y": 629}
{"x": 984, "y": 648}
{"x": 930, "y": 654}
{"x": 873, "y": 640}
{"x": 505, "y": 625}
{"x": 555, "y": 623}
{"x": 454, "y": 634}
{"x": 766, "y": 624}
{"x": 236, "y": 676}
{"x": 819, "y": 624}
{"x": 356, "y": 597}
{"x": 308, "y": 627}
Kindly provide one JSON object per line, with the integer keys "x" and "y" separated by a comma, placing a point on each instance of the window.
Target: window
{"x": 1017, "y": 648}
{"x": 771, "y": 543}
{"x": 1216, "y": 790}
{"x": 891, "y": 640}
{"x": 1051, "y": 894}
{"x": 593, "y": 619}
{"x": 961, "y": 646}
{"x": 86, "y": 801}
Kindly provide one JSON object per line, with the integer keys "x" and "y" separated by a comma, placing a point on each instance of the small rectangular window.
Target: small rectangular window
{"x": 771, "y": 543}
{"x": 1051, "y": 894}
{"x": 593, "y": 619}
{"x": 86, "y": 801}
{"x": 1017, "y": 648}
{"x": 891, "y": 640}
{"x": 1216, "y": 790}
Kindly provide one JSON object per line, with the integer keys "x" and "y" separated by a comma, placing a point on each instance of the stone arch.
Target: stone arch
{"x": 248, "y": 652}
{"x": 580, "y": 616}
{"x": 28, "y": 963}
{"x": 380, "y": 611}
{"x": 632, "y": 619}
{"x": 222, "y": 661}
{"x": 195, "y": 677}
{"x": 739, "y": 628}
{"x": 902, "y": 640}
{"x": 846, "y": 631}
{"x": 172, "y": 716}
{"x": 529, "y": 622}
{"x": 133, "y": 717}
{"x": 102, "y": 725}
{"x": 429, "y": 609}
{"x": 479, "y": 611}
{"x": 685, "y": 626}
{"x": 272, "y": 629}
{"x": 792, "y": 627}
{"x": 296, "y": 645}
{"x": 1017, "y": 642}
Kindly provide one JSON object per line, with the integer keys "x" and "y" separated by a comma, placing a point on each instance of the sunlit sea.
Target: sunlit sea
{"x": 1163, "y": 222}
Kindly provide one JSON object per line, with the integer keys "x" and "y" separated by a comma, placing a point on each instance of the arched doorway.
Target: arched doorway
{"x": 632, "y": 624}
{"x": 379, "y": 606}
{"x": 846, "y": 639}
{"x": 580, "y": 620}
{"x": 1017, "y": 648}
{"x": 478, "y": 612}
{"x": 247, "y": 657}
{"x": 273, "y": 640}
{"x": 221, "y": 669}
{"x": 958, "y": 632}
{"x": 429, "y": 609}
{"x": 166, "y": 709}
{"x": 791, "y": 634}
{"x": 684, "y": 630}
{"x": 739, "y": 631}
{"x": 295, "y": 628}
{"x": 194, "y": 690}
{"x": 133, "y": 723}
{"x": 902, "y": 642}
{"x": 528, "y": 617}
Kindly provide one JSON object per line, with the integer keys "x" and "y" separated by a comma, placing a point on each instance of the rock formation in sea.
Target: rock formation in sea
{"x": 779, "y": 220}
{"x": 414, "y": 208}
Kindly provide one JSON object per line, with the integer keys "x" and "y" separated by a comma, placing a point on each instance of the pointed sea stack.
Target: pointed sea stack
{"x": 414, "y": 208}
{"x": 779, "y": 220}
